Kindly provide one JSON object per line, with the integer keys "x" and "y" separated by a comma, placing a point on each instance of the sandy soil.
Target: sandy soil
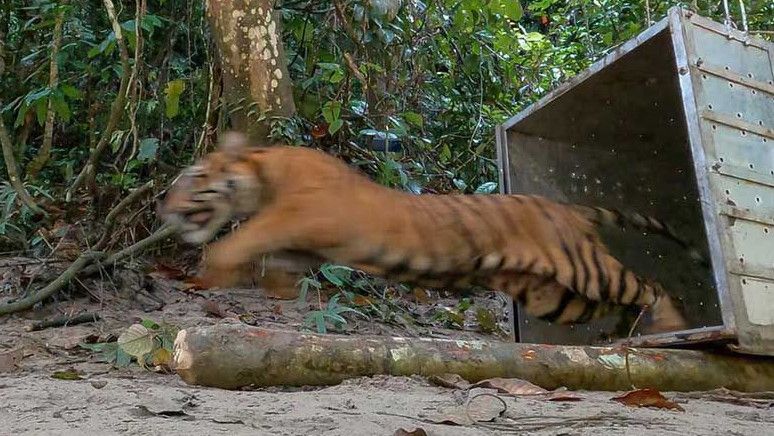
{"x": 135, "y": 401}
{"x": 154, "y": 404}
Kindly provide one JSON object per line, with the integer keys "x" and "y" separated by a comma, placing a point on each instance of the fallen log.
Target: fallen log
{"x": 232, "y": 356}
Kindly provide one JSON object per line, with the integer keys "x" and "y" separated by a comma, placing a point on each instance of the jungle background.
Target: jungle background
{"x": 103, "y": 102}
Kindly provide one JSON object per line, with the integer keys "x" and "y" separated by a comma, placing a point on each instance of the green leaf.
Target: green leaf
{"x": 41, "y": 110}
{"x": 507, "y": 8}
{"x": 66, "y": 375}
{"x": 136, "y": 341}
{"x": 94, "y": 51}
{"x": 335, "y": 126}
{"x": 332, "y": 73}
{"x": 22, "y": 113}
{"x": 71, "y": 92}
{"x": 122, "y": 358}
{"x": 486, "y": 188}
{"x": 148, "y": 149}
{"x": 149, "y": 323}
{"x": 445, "y": 154}
{"x": 172, "y": 97}
{"x": 329, "y": 274}
{"x": 413, "y": 118}
{"x": 331, "y": 111}
{"x": 60, "y": 106}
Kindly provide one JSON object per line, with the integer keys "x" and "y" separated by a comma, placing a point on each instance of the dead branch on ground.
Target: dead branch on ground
{"x": 231, "y": 356}
{"x": 89, "y": 262}
{"x": 62, "y": 321}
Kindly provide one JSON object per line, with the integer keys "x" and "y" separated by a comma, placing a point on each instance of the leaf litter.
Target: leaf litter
{"x": 647, "y": 397}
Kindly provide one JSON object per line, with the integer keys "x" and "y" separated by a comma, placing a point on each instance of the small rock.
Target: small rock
{"x": 99, "y": 384}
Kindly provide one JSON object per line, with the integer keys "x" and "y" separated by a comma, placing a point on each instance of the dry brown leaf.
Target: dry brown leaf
{"x": 320, "y": 130}
{"x": 167, "y": 271}
{"x": 416, "y": 432}
{"x": 480, "y": 408}
{"x": 452, "y": 381}
{"x": 361, "y": 300}
{"x": 647, "y": 398}
{"x": 564, "y": 396}
{"x": 161, "y": 357}
{"x": 512, "y": 386}
{"x": 420, "y": 296}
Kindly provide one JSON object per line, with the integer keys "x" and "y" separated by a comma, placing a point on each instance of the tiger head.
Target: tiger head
{"x": 221, "y": 186}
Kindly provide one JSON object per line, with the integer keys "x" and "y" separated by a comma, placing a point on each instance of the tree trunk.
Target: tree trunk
{"x": 237, "y": 355}
{"x": 256, "y": 83}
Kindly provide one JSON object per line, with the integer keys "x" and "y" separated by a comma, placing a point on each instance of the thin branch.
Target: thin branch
{"x": 154, "y": 238}
{"x": 62, "y": 322}
{"x": 44, "y": 153}
{"x": 50, "y": 289}
{"x": 340, "y": 13}
{"x": 116, "y": 110}
{"x": 110, "y": 220}
{"x": 356, "y": 71}
{"x": 133, "y": 90}
{"x": 80, "y": 267}
{"x": 13, "y": 170}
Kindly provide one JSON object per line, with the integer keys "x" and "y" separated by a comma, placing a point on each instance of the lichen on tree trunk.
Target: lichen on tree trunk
{"x": 256, "y": 83}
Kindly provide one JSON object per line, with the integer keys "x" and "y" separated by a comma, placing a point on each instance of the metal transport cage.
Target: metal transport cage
{"x": 676, "y": 123}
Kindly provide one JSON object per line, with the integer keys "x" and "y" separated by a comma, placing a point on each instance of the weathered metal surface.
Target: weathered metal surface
{"x": 676, "y": 123}
{"x": 733, "y": 90}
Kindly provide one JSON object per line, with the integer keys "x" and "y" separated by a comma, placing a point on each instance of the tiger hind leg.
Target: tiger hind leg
{"x": 551, "y": 301}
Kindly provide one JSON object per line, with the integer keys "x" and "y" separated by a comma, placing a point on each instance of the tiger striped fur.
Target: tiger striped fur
{"x": 547, "y": 255}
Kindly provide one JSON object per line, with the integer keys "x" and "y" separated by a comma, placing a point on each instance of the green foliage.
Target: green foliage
{"x": 342, "y": 278}
{"x": 148, "y": 343}
{"x": 16, "y": 218}
{"x": 432, "y": 77}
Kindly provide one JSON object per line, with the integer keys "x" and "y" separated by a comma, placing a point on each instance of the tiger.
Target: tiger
{"x": 303, "y": 202}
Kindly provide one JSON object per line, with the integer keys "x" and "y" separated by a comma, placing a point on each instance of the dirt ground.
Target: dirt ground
{"x": 131, "y": 400}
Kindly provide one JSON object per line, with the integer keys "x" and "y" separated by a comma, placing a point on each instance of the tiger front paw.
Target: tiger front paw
{"x": 221, "y": 269}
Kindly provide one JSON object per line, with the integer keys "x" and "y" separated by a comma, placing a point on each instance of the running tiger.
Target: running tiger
{"x": 547, "y": 255}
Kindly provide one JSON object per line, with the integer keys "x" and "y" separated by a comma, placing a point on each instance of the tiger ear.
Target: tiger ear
{"x": 233, "y": 143}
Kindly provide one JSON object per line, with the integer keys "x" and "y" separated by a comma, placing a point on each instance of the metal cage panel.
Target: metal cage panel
{"x": 676, "y": 123}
